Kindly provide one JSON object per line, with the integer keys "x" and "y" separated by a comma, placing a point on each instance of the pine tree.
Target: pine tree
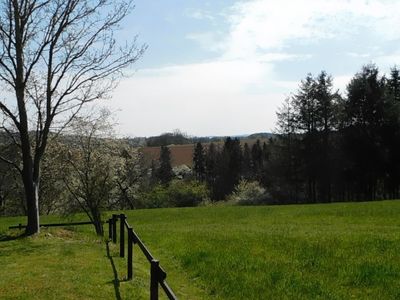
{"x": 211, "y": 169}
{"x": 286, "y": 166}
{"x": 326, "y": 101}
{"x": 265, "y": 164}
{"x": 364, "y": 114}
{"x": 228, "y": 168}
{"x": 394, "y": 84}
{"x": 165, "y": 170}
{"x": 247, "y": 163}
{"x": 199, "y": 162}
{"x": 257, "y": 160}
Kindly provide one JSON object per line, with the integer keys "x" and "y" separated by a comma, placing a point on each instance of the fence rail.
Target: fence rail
{"x": 20, "y": 226}
{"x": 157, "y": 274}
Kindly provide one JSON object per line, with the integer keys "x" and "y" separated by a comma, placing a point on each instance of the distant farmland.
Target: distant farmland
{"x": 180, "y": 154}
{"x": 183, "y": 154}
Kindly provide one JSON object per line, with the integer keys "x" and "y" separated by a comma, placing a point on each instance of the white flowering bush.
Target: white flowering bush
{"x": 249, "y": 193}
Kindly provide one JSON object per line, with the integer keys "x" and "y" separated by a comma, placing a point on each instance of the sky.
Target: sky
{"x": 218, "y": 68}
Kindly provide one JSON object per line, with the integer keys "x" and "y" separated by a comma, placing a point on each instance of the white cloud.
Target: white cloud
{"x": 203, "y": 99}
{"x": 200, "y": 14}
{"x": 265, "y": 25}
{"x": 358, "y": 55}
{"x": 388, "y": 61}
{"x": 340, "y": 82}
{"x": 239, "y": 91}
{"x": 210, "y": 41}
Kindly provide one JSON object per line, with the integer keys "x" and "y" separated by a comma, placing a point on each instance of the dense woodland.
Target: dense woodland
{"x": 327, "y": 147}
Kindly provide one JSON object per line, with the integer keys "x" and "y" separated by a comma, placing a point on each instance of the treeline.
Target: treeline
{"x": 90, "y": 171}
{"x": 327, "y": 146}
{"x": 177, "y": 137}
{"x": 86, "y": 170}
{"x": 222, "y": 167}
{"x": 170, "y": 138}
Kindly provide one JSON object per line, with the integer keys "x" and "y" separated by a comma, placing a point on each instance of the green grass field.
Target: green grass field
{"x": 324, "y": 251}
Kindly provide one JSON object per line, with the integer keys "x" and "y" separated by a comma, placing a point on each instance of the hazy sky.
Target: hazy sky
{"x": 224, "y": 67}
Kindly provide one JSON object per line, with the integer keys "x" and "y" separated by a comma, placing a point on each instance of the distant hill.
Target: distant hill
{"x": 260, "y": 135}
{"x": 179, "y": 138}
{"x": 182, "y": 154}
{"x": 169, "y": 138}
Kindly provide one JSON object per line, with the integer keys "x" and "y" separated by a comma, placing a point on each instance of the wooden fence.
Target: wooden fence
{"x": 157, "y": 274}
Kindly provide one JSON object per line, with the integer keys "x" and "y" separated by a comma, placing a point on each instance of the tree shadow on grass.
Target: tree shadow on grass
{"x": 116, "y": 280}
{"x": 4, "y": 237}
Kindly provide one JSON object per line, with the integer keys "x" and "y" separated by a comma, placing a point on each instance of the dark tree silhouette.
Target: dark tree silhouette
{"x": 257, "y": 159}
{"x": 247, "y": 162}
{"x": 212, "y": 156}
{"x": 199, "y": 162}
{"x": 364, "y": 117}
{"x": 228, "y": 166}
{"x": 164, "y": 172}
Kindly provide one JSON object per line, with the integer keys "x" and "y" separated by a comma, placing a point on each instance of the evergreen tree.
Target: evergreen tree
{"x": 285, "y": 182}
{"x": 257, "y": 159}
{"x": 394, "y": 84}
{"x": 327, "y": 120}
{"x": 364, "y": 110}
{"x": 391, "y": 136}
{"x": 165, "y": 170}
{"x": 199, "y": 162}
{"x": 306, "y": 118}
{"x": 211, "y": 169}
{"x": 247, "y": 162}
{"x": 265, "y": 164}
{"x": 228, "y": 168}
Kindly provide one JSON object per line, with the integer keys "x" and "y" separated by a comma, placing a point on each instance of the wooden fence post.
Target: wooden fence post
{"x": 110, "y": 229}
{"x": 114, "y": 231}
{"x": 130, "y": 253}
{"x": 122, "y": 218}
{"x": 154, "y": 267}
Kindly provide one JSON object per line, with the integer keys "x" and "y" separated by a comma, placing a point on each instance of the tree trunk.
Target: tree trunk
{"x": 99, "y": 228}
{"x": 32, "y": 201}
{"x": 98, "y": 224}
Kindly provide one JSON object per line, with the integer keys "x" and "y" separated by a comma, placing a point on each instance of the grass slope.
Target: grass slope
{"x": 71, "y": 263}
{"x": 327, "y": 251}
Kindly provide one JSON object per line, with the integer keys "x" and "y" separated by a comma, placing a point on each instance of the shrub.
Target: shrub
{"x": 249, "y": 193}
{"x": 179, "y": 193}
{"x": 157, "y": 197}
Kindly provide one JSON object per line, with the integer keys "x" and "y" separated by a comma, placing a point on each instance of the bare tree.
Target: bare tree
{"x": 55, "y": 56}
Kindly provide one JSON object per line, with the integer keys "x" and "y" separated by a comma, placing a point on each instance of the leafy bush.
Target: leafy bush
{"x": 179, "y": 193}
{"x": 249, "y": 193}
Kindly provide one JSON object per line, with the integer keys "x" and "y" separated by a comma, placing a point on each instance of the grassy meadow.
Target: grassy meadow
{"x": 322, "y": 251}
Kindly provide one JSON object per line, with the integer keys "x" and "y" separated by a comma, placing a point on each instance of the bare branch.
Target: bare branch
{"x": 8, "y": 113}
{"x": 11, "y": 163}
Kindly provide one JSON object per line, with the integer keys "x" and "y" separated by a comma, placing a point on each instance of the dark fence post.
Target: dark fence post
{"x": 130, "y": 253}
{"x": 154, "y": 279}
{"x": 122, "y": 218}
{"x": 114, "y": 234}
{"x": 110, "y": 229}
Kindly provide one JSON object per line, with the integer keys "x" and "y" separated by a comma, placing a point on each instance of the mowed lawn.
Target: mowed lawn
{"x": 324, "y": 251}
